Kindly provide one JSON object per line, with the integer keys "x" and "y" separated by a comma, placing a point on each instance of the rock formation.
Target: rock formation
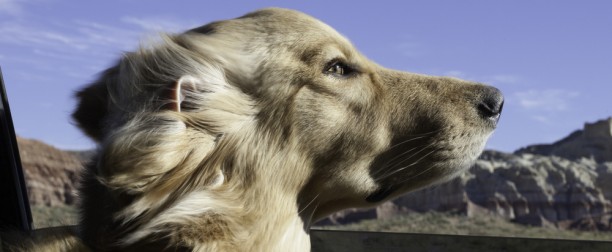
{"x": 50, "y": 174}
{"x": 594, "y": 140}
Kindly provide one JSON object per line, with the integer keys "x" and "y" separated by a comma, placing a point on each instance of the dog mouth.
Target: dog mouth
{"x": 436, "y": 165}
{"x": 381, "y": 194}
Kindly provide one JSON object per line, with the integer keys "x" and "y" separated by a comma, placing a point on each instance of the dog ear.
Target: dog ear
{"x": 92, "y": 105}
{"x": 178, "y": 92}
{"x": 138, "y": 155}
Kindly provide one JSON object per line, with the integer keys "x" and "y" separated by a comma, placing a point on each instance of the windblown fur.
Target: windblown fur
{"x": 238, "y": 135}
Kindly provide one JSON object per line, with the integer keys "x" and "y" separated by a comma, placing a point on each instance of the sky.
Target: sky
{"x": 551, "y": 59}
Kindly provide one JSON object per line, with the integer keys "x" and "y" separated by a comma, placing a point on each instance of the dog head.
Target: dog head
{"x": 278, "y": 99}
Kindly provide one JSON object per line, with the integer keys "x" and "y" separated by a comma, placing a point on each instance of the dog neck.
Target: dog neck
{"x": 271, "y": 225}
{"x": 275, "y": 218}
{"x": 264, "y": 214}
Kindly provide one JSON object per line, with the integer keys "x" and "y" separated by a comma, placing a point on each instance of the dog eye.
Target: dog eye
{"x": 339, "y": 69}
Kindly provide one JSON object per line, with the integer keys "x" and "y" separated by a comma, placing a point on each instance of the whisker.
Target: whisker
{"x": 312, "y": 214}
{"x": 405, "y": 141}
{"x": 417, "y": 136}
{"x": 390, "y": 167}
{"x": 309, "y": 203}
{"x": 416, "y": 175}
{"x": 386, "y": 175}
{"x": 388, "y": 163}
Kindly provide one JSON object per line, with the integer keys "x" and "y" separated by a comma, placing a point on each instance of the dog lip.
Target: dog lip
{"x": 380, "y": 194}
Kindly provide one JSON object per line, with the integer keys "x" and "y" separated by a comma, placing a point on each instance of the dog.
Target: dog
{"x": 240, "y": 134}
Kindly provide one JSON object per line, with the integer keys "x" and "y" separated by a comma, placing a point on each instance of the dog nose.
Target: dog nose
{"x": 491, "y": 103}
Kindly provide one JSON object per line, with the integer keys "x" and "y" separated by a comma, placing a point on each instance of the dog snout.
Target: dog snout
{"x": 491, "y": 104}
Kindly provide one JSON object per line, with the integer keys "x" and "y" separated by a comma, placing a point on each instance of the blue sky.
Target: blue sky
{"x": 552, "y": 59}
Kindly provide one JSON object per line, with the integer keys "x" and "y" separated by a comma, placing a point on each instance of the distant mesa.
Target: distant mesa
{"x": 593, "y": 141}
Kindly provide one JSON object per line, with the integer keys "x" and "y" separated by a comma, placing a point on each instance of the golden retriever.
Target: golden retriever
{"x": 238, "y": 135}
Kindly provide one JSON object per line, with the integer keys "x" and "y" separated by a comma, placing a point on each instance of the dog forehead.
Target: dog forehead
{"x": 275, "y": 25}
{"x": 286, "y": 20}
{"x": 304, "y": 33}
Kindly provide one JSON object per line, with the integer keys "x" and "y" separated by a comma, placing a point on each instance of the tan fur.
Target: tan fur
{"x": 235, "y": 136}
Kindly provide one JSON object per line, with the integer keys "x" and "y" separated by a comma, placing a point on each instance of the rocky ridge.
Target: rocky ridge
{"x": 593, "y": 141}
